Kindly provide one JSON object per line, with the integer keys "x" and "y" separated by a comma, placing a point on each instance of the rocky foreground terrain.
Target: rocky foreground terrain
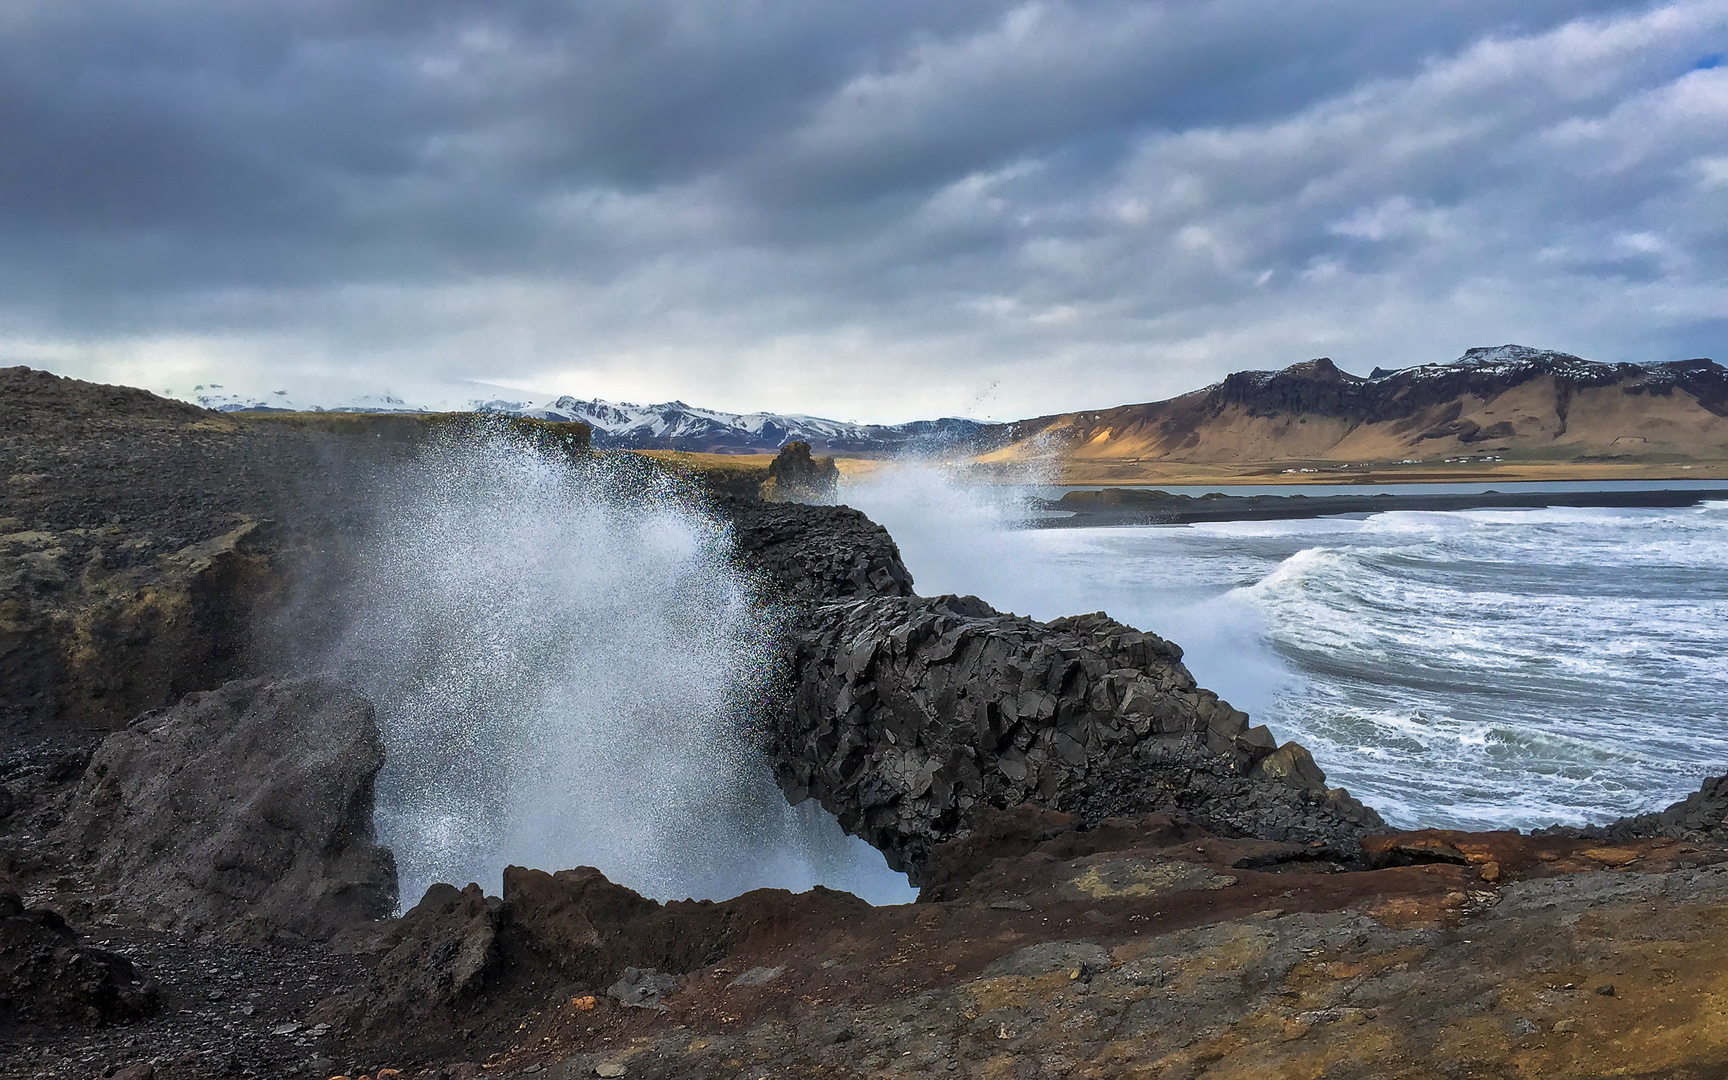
{"x": 1121, "y": 875}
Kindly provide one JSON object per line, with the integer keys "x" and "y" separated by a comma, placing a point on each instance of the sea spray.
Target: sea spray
{"x": 564, "y": 659}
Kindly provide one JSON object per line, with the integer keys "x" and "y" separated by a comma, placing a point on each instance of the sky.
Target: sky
{"x": 874, "y": 211}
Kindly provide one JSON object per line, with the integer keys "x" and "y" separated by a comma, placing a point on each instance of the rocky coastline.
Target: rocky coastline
{"x": 1120, "y": 874}
{"x": 910, "y": 717}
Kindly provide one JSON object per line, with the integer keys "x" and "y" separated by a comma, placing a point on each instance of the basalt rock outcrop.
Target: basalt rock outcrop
{"x": 911, "y": 716}
{"x": 811, "y": 554}
{"x": 245, "y": 810}
{"x": 907, "y": 716}
{"x": 795, "y": 476}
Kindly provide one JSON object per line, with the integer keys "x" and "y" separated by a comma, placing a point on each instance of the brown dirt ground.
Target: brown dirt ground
{"x": 1172, "y": 960}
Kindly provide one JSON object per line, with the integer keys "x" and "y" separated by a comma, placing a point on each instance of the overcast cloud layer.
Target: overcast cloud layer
{"x": 873, "y": 211}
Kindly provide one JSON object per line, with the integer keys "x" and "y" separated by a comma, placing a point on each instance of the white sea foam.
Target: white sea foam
{"x": 563, "y": 660}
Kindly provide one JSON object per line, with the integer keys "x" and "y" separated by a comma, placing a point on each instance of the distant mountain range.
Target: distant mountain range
{"x": 672, "y": 425}
{"x": 1509, "y": 400}
{"x": 677, "y": 426}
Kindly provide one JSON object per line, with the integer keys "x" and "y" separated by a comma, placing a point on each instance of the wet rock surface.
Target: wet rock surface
{"x": 245, "y": 810}
{"x": 808, "y": 554}
{"x": 906, "y": 716}
{"x": 910, "y": 716}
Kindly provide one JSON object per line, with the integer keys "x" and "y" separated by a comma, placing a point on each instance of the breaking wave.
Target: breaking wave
{"x": 1505, "y": 668}
{"x": 1475, "y": 669}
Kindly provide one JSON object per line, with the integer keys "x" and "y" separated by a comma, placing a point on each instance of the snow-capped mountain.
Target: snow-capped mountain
{"x": 1509, "y": 399}
{"x": 1507, "y": 361}
{"x": 1314, "y": 388}
{"x": 282, "y": 401}
{"x": 673, "y": 425}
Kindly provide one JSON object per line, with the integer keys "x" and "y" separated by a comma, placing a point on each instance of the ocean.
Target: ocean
{"x": 1473, "y": 669}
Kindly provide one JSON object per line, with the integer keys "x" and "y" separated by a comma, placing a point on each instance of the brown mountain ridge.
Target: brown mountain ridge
{"x": 1494, "y": 410}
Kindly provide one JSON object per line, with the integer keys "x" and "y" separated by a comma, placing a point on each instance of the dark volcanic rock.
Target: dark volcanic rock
{"x": 129, "y": 548}
{"x": 590, "y": 928}
{"x": 463, "y": 960}
{"x": 247, "y": 810}
{"x": 440, "y": 953}
{"x": 909, "y": 717}
{"x": 46, "y": 976}
{"x": 1701, "y": 817}
{"x": 795, "y": 476}
{"x": 912, "y": 716}
{"x": 816, "y": 553}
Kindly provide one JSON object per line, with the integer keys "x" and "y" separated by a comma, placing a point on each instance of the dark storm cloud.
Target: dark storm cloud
{"x": 875, "y": 209}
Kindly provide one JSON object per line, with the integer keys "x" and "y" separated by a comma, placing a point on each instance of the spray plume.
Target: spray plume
{"x": 563, "y": 657}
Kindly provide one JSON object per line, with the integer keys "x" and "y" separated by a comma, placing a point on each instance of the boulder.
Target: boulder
{"x": 589, "y": 927}
{"x": 48, "y": 978}
{"x": 441, "y": 952}
{"x": 246, "y": 810}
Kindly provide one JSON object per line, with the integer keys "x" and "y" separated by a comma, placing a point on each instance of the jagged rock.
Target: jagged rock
{"x": 1701, "y": 817}
{"x": 589, "y": 928}
{"x": 460, "y": 952}
{"x": 795, "y": 476}
{"x": 441, "y": 952}
{"x": 47, "y": 977}
{"x": 810, "y": 554}
{"x": 1291, "y": 764}
{"x": 246, "y": 810}
{"x": 910, "y": 716}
